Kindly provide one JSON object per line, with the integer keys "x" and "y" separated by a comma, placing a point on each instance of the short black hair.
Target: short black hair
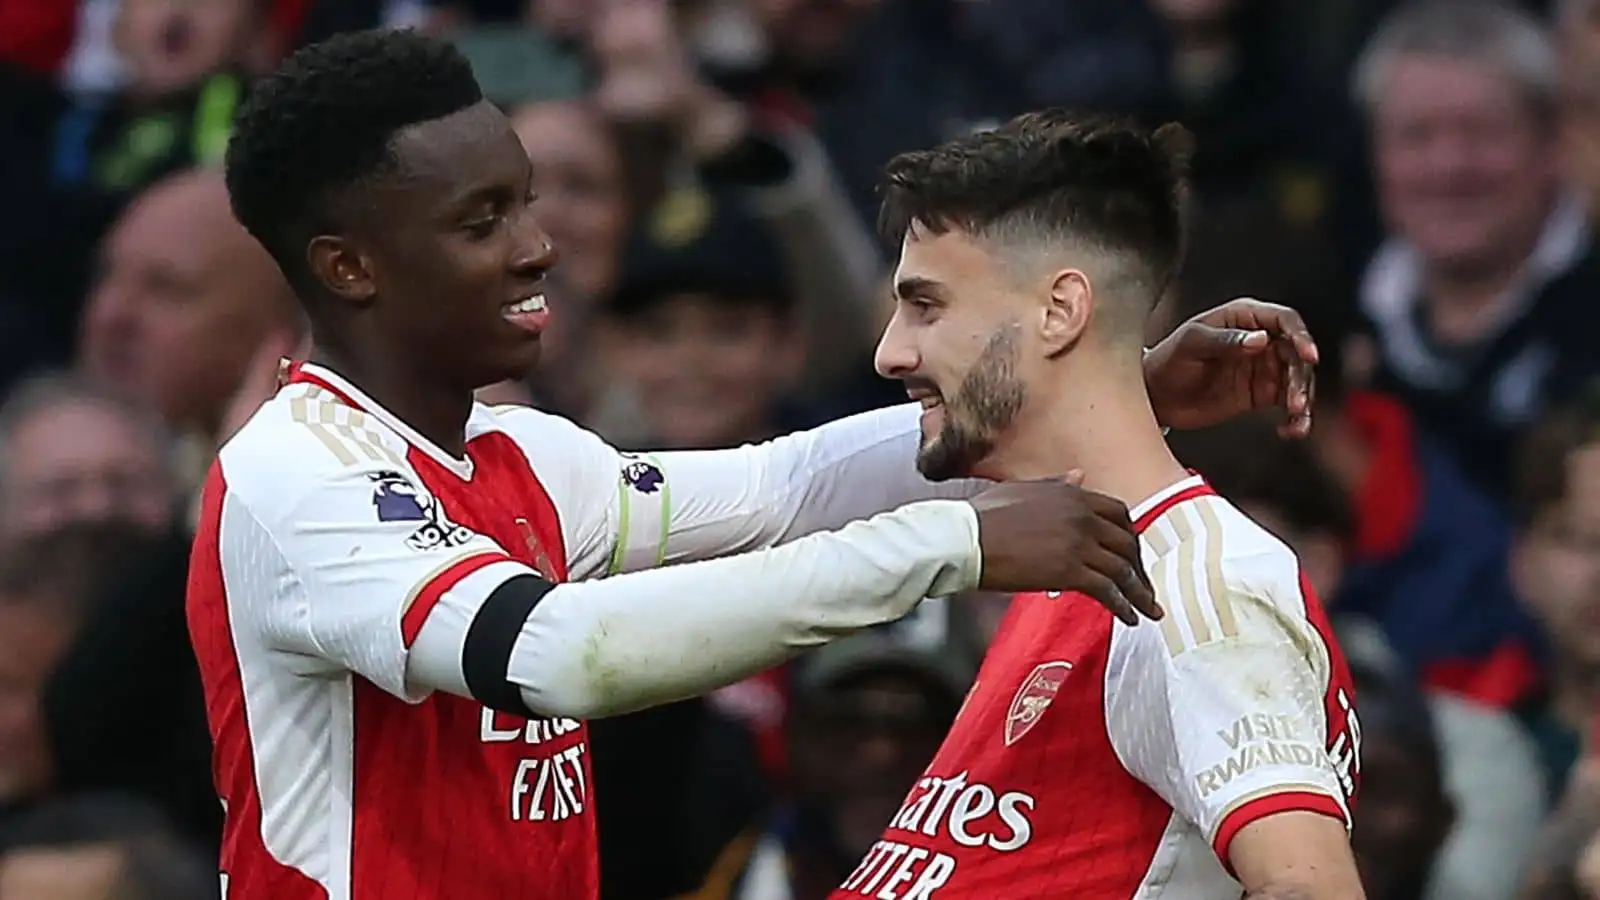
{"x": 324, "y": 121}
{"x": 1104, "y": 180}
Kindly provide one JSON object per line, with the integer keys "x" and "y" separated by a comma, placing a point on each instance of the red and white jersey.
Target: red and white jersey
{"x": 331, "y": 530}
{"x": 1098, "y": 761}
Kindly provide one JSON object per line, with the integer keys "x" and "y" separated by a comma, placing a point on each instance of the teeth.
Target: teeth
{"x": 532, "y": 304}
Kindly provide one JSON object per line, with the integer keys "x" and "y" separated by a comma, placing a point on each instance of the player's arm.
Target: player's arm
{"x": 1295, "y": 855}
{"x": 627, "y": 512}
{"x": 415, "y": 603}
{"x": 1221, "y": 710}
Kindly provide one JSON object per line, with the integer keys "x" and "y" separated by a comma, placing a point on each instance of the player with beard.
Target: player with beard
{"x": 1211, "y": 755}
{"x": 397, "y": 596}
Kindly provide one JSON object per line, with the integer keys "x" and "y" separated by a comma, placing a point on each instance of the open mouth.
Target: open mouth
{"x": 529, "y": 313}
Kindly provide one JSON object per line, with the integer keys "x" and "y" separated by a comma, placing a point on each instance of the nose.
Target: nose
{"x": 896, "y": 356}
{"x": 535, "y": 251}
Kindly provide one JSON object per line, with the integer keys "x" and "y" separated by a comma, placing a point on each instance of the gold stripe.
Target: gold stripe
{"x": 1188, "y": 592}
{"x": 300, "y": 411}
{"x": 1159, "y": 542}
{"x": 1221, "y": 597}
{"x": 1170, "y": 633}
{"x": 424, "y": 581}
{"x": 369, "y": 436}
{"x": 349, "y": 433}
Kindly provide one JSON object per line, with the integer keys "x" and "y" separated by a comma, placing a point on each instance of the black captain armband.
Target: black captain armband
{"x": 486, "y": 653}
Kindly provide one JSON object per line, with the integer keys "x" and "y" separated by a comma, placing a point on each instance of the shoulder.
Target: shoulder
{"x": 294, "y": 447}
{"x": 1220, "y": 575}
{"x": 548, "y": 440}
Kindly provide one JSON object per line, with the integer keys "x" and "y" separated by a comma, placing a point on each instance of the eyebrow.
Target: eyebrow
{"x": 917, "y": 286}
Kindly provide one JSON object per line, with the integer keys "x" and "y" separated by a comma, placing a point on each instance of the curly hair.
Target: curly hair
{"x": 1101, "y": 180}
{"x": 324, "y": 121}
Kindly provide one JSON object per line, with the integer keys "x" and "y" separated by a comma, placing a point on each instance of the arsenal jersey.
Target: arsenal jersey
{"x": 1100, "y": 761}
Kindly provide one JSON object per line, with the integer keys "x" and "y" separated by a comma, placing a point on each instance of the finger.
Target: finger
{"x": 1125, "y": 562}
{"x": 1265, "y": 376}
{"x": 1105, "y": 592}
{"x": 1204, "y": 341}
{"x": 1129, "y": 580}
{"x": 1074, "y": 478}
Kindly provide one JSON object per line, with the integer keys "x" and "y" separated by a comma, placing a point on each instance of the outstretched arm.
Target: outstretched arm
{"x": 629, "y": 512}
{"x": 416, "y": 603}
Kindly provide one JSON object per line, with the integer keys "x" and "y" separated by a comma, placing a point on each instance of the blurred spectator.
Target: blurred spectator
{"x": 869, "y": 712}
{"x": 1250, "y": 249}
{"x": 1556, "y": 567}
{"x": 685, "y": 131}
{"x": 1426, "y": 553}
{"x": 100, "y": 848}
{"x": 1490, "y": 766}
{"x": 73, "y": 452}
{"x": 877, "y": 77}
{"x": 186, "y": 70}
{"x": 1578, "y": 24}
{"x": 185, "y": 301}
{"x": 705, "y": 326}
{"x": 124, "y": 706}
{"x": 35, "y": 631}
{"x": 584, "y": 205}
{"x": 35, "y": 35}
{"x": 323, "y": 19}
{"x": 1262, "y": 129}
{"x": 1405, "y": 812}
{"x": 1482, "y": 297}
{"x": 48, "y": 583}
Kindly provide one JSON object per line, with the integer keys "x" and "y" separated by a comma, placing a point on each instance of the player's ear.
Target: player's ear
{"x": 1068, "y": 306}
{"x": 341, "y": 268}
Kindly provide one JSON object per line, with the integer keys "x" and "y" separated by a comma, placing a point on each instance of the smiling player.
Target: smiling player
{"x": 396, "y": 595}
{"x": 1214, "y": 752}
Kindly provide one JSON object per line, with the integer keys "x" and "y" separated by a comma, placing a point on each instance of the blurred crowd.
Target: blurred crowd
{"x": 1421, "y": 178}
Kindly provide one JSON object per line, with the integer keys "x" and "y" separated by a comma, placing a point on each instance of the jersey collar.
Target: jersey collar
{"x": 1146, "y": 512}
{"x": 321, "y": 376}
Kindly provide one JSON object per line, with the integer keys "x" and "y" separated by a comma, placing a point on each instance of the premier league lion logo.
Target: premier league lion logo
{"x": 643, "y": 476}
{"x": 396, "y": 499}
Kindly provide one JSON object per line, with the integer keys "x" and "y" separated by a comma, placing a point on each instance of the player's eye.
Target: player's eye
{"x": 922, "y": 307}
{"x": 481, "y": 228}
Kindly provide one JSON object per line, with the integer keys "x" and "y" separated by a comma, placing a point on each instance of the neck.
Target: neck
{"x": 1103, "y": 426}
{"x": 437, "y": 412}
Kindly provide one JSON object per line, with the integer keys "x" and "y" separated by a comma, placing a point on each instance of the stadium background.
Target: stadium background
{"x": 1418, "y": 180}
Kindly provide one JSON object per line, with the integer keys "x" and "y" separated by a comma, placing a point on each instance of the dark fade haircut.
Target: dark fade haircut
{"x": 324, "y": 122}
{"x": 1101, "y": 181}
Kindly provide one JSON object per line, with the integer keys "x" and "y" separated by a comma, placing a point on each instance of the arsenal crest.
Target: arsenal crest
{"x": 1033, "y": 698}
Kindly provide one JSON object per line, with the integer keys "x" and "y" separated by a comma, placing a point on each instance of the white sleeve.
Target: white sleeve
{"x": 1229, "y": 728}
{"x": 609, "y": 646}
{"x": 679, "y": 506}
{"x": 359, "y": 560}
